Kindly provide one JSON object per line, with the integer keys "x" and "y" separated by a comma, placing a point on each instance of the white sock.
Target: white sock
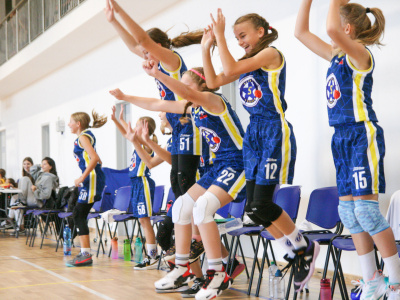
{"x": 151, "y": 250}
{"x": 225, "y": 259}
{"x": 297, "y": 239}
{"x": 181, "y": 259}
{"x": 368, "y": 265}
{"x": 215, "y": 264}
{"x": 285, "y": 243}
{"x": 392, "y": 265}
{"x": 87, "y": 250}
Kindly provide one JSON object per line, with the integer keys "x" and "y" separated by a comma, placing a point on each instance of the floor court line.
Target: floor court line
{"x": 53, "y": 283}
{"x": 102, "y": 296}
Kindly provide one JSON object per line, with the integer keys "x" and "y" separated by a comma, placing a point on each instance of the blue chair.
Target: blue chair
{"x": 157, "y": 215}
{"x": 288, "y": 198}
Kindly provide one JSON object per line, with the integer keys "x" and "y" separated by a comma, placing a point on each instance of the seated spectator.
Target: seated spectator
{"x": 2, "y": 176}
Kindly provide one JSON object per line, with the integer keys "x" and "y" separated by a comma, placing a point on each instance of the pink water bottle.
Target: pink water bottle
{"x": 326, "y": 289}
{"x": 114, "y": 246}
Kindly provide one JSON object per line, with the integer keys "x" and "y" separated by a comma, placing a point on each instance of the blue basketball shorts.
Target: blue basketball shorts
{"x": 142, "y": 196}
{"x": 358, "y": 150}
{"x": 228, "y": 176}
{"x": 93, "y": 187}
{"x": 269, "y": 151}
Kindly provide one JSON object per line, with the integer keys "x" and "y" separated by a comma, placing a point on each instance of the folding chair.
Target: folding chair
{"x": 157, "y": 215}
{"x": 288, "y": 198}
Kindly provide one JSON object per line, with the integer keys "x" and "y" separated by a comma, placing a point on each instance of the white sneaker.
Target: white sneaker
{"x": 375, "y": 288}
{"x": 393, "y": 292}
{"x": 147, "y": 264}
{"x": 175, "y": 279}
{"x": 215, "y": 283}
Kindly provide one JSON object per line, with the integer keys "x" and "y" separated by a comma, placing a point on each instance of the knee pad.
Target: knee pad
{"x": 266, "y": 211}
{"x": 164, "y": 233}
{"x": 80, "y": 223}
{"x": 369, "y": 216}
{"x": 254, "y": 218}
{"x": 185, "y": 182}
{"x": 205, "y": 208}
{"x": 182, "y": 210}
{"x": 348, "y": 218}
{"x": 175, "y": 184}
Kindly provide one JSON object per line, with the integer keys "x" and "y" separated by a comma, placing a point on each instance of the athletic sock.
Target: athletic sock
{"x": 181, "y": 259}
{"x": 215, "y": 264}
{"x": 285, "y": 243}
{"x": 225, "y": 259}
{"x": 297, "y": 239}
{"x": 368, "y": 265}
{"x": 151, "y": 250}
{"x": 85, "y": 251}
{"x": 392, "y": 265}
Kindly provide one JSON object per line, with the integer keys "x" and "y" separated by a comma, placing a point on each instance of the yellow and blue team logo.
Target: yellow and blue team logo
{"x": 133, "y": 162}
{"x": 250, "y": 91}
{"x": 161, "y": 89}
{"x": 211, "y": 137}
{"x": 332, "y": 90}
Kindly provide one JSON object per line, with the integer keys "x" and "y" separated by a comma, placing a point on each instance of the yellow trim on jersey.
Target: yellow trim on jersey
{"x": 373, "y": 156}
{"x": 85, "y": 134}
{"x": 197, "y": 144}
{"x": 286, "y": 146}
{"x": 180, "y": 65}
{"x": 92, "y": 179}
{"x": 360, "y": 109}
{"x": 215, "y": 114}
{"x": 237, "y": 186}
{"x": 197, "y": 175}
{"x": 147, "y": 196}
{"x": 358, "y": 70}
{"x": 279, "y": 68}
{"x": 141, "y": 169}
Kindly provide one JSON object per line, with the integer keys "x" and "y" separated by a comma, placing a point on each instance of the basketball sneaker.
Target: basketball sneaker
{"x": 81, "y": 260}
{"x": 191, "y": 293}
{"x": 215, "y": 283}
{"x": 372, "y": 289}
{"x": 196, "y": 249}
{"x": 237, "y": 268}
{"x": 147, "y": 264}
{"x": 393, "y": 292}
{"x": 175, "y": 281}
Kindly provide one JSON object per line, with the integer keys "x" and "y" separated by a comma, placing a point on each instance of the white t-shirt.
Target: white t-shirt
{"x": 393, "y": 214}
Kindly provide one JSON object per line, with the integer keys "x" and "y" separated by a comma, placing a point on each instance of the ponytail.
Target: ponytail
{"x": 84, "y": 119}
{"x": 98, "y": 120}
{"x": 184, "y": 39}
{"x": 185, "y": 119}
{"x": 154, "y": 138}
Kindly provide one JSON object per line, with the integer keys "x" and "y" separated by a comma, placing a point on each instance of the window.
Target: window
{"x": 124, "y": 147}
{"x": 3, "y": 149}
{"x": 46, "y": 140}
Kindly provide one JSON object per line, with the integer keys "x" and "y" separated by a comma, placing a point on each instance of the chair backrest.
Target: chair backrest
{"x": 289, "y": 199}
{"x": 158, "y": 198}
{"x": 224, "y": 210}
{"x": 237, "y": 209}
{"x": 123, "y": 198}
{"x": 323, "y": 207}
{"x": 170, "y": 196}
{"x": 114, "y": 180}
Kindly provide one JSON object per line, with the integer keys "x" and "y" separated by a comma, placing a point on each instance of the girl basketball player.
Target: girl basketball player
{"x": 269, "y": 148}
{"x": 221, "y": 127}
{"x": 91, "y": 182}
{"x": 358, "y": 145}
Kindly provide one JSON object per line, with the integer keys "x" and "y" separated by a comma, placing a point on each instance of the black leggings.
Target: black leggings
{"x": 183, "y": 173}
{"x": 80, "y": 214}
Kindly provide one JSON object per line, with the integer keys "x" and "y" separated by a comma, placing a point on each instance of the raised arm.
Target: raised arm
{"x": 121, "y": 127}
{"x": 212, "y": 79}
{"x": 152, "y": 104}
{"x": 162, "y": 153}
{"x": 357, "y": 52}
{"x": 208, "y": 100}
{"x": 303, "y": 34}
{"x": 170, "y": 60}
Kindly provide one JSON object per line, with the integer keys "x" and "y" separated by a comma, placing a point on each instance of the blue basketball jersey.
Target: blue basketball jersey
{"x": 138, "y": 168}
{"x": 223, "y": 132}
{"x": 166, "y": 93}
{"x": 207, "y": 156}
{"x": 81, "y": 156}
{"x": 263, "y": 91}
{"x": 348, "y": 92}
{"x": 169, "y": 145}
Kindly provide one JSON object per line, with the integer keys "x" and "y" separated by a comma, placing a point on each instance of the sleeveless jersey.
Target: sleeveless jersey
{"x": 166, "y": 93}
{"x": 262, "y": 91}
{"x": 169, "y": 145}
{"x": 348, "y": 92}
{"x": 81, "y": 156}
{"x": 223, "y": 132}
{"x": 138, "y": 168}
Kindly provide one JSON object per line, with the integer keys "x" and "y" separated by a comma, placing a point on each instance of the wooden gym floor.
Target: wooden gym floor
{"x": 33, "y": 273}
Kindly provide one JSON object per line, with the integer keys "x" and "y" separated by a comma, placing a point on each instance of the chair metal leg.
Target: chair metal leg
{"x": 45, "y": 229}
{"x": 244, "y": 259}
{"x": 260, "y": 276}
{"x": 61, "y": 230}
{"x": 101, "y": 239}
{"x": 253, "y": 268}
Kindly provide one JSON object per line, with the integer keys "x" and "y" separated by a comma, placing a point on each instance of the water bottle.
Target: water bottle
{"x": 127, "y": 250}
{"x": 114, "y": 247}
{"x": 67, "y": 240}
{"x": 355, "y": 294}
{"x": 138, "y": 250}
{"x": 325, "y": 292}
{"x": 229, "y": 226}
{"x": 271, "y": 271}
{"x": 279, "y": 286}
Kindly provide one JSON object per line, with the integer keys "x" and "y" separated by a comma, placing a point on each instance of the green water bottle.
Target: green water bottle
{"x": 127, "y": 250}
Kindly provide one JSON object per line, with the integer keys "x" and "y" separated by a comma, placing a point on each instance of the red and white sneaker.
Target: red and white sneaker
{"x": 215, "y": 283}
{"x": 176, "y": 280}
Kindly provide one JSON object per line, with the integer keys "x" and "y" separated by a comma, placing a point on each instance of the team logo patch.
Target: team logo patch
{"x": 202, "y": 164}
{"x": 161, "y": 89}
{"x": 250, "y": 91}
{"x": 333, "y": 93}
{"x": 133, "y": 162}
{"x": 212, "y": 139}
{"x": 77, "y": 158}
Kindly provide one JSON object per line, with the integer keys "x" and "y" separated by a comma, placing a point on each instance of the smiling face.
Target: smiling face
{"x": 45, "y": 166}
{"x": 27, "y": 165}
{"x": 247, "y": 35}
{"x": 74, "y": 126}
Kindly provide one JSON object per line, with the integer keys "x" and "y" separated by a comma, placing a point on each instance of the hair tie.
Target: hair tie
{"x": 198, "y": 73}
{"x": 367, "y": 10}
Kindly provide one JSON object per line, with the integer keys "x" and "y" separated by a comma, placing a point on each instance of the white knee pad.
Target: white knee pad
{"x": 205, "y": 208}
{"x": 182, "y": 210}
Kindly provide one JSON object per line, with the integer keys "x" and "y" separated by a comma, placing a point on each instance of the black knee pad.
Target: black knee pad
{"x": 164, "y": 233}
{"x": 186, "y": 181}
{"x": 250, "y": 185}
{"x": 254, "y": 218}
{"x": 175, "y": 184}
{"x": 81, "y": 211}
{"x": 266, "y": 211}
